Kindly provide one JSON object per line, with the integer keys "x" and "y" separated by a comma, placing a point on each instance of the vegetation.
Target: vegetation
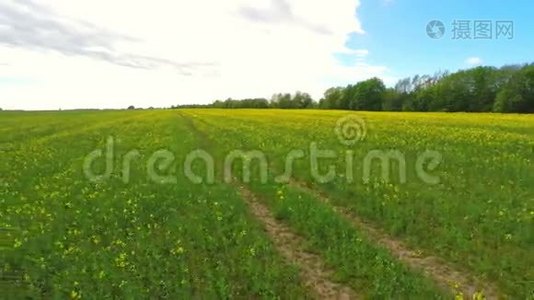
{"x": 478, "y": 216}
{"x": 509, "y": 89}
{"x": 65, "y": 236}
{"x": 298, "y": 100}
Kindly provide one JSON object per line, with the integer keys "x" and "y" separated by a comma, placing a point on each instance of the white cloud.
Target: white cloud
{"x": 473, "y": 61}
{"x": 176, "y": 51}
{"x": 361, "y": 52}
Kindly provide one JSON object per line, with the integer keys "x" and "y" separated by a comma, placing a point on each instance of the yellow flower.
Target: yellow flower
{"x": 178, "y": 250}
{"x": 120, "y": 261}
{"x": 478, "y": 296}
{"x": 75, "y": 295}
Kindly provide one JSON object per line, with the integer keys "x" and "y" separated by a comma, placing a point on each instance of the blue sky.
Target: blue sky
{"x": 396, "y": 34}
{"x": 112, "y": 54}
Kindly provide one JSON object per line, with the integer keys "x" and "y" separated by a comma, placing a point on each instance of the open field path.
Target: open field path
{"x": 448, "y": 275}
{"x": 313, "y": 271}
{"x": 442, "y": 273}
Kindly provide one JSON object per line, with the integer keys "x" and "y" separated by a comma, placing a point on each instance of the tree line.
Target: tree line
{"x": 281, "y": 100}
{"x": 507, "y": 89}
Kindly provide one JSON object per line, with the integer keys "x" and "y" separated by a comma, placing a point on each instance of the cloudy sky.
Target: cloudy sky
{"x": 111, "y": 54}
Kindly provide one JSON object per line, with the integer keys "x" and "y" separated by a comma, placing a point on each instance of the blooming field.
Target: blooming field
{"x": 176, "y": 217}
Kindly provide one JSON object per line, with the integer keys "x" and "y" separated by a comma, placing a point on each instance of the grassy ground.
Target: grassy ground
{"x": 73, "y": 238}
{"x": 480, "y": 213}
{"x": 65, "y": 236}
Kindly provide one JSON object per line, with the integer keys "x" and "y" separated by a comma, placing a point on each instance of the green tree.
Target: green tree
{"x": 302, "y": 100}
{"x": 392, "y": 100}
{"x": 368, "y": 95}
{"x": 332, "y": 98}
{"x": 517, "y": 95}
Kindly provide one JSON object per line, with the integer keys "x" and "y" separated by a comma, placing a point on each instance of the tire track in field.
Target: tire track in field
{"x": 313, "y": 270}
{"x": 443, "y": 274}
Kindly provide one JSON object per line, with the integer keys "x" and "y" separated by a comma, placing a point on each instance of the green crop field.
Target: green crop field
{"x": 214, "y": 203}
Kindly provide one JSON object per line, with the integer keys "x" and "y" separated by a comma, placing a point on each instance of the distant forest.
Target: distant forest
{"x": 507, "y": 89}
